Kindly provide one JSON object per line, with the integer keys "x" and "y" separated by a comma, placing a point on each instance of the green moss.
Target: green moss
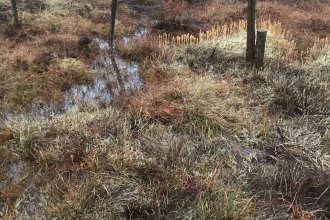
{"x": 77, "y": 71}
{"x": 71, "y": 64}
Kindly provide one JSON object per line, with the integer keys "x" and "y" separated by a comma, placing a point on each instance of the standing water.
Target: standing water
{"x": 106, "y": 85}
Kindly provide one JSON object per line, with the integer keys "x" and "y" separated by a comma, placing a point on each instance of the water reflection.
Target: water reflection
{"x": 112, "y": 76}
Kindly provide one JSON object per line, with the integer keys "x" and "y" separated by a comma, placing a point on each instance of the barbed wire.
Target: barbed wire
{"x": 152, "y": 38}
{"x": 175, "y": 34}
{"x": 5, "y": 15}
{"x": 292, "y": 10}
{"x": 290, "y": 54}
{"x": 155, "y": 39}
{"x": 35, "y": 6}
{"x": 281, "y": 38}
{"x": 199, "y": 6}
{"x": 224, "y": 5}
{"x": 204, "y": 30}
{"x": 245, "y": 5}
{"x": 39, "y": 4}
{"x": 322, "y": 40}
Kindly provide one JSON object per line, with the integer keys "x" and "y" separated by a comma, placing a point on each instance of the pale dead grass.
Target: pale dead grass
{"x": 304, "y": 24}
{"x": 21, "y": 52}
{"x": 143, "y": 172}
{"x": 319, "y": 55}
{"x": 62, "y": 22}
{"x": 130, "y": 160}
{"x": 200, "y": 142}
{"x": 231, "y": 39}
{"x": 61, "y": 37}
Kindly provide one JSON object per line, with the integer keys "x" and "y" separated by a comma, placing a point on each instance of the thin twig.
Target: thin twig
{"x": 321, "y": 195}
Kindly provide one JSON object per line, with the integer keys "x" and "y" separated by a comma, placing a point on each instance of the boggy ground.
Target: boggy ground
{"x": 209, "y": 137}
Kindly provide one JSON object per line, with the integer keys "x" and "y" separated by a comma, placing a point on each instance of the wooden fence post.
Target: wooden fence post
{"x": 13, "y": 5}
{"x": 250, "y": 44}
{"x": 260, "y": 47}
{"x": 112, "y": 23}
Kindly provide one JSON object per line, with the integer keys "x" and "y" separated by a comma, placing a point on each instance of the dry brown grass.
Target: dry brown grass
{"x": 32, "y": 52}
{"x": 209, "y": 137}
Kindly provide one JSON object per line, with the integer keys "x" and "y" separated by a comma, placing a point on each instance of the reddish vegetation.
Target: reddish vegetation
{"x": 207, "y": 137}
{"x": 163, "y": 111}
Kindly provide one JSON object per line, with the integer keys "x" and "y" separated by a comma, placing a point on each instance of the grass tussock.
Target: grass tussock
{"x": 207, "y": 137}
{"x": 300, "y": 94}
{"x": 123, "y": 170}
{"x": 32, "y": 52}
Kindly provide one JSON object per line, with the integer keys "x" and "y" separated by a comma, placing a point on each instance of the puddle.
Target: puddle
{"x": 106, "y": 85}
{"x": 140, "y": 33}
{"x": 3, "y": 208}
{"x": 14, "y": 170}
{"x": 246, "y": 152}
{"x": 104, "y": 88}
{"x": 31, "y": 203}
{"x": 2, "y": 185}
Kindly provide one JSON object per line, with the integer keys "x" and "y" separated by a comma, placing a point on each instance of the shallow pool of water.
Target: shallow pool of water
{"x": 104, "y": 88}
{"x": 106, "y": 85}
{"x": 15, "y": 169}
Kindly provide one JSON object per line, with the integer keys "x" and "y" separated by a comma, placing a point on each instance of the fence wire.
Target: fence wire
{"x": 194, "y": 27}
{"x": 301, "y": 11}
{"x": 37, "y": 5}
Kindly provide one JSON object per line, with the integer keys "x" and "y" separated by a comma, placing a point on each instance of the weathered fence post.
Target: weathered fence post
{"x": 112, "y": 23}
{"x": 13, "y": 5}
{"x": 250, "y": 43}
{"x": 260, "y": 47}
